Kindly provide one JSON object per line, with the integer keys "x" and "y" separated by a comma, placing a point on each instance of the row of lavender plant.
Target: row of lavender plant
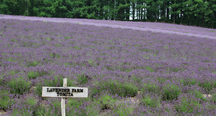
{"x": 171, "y": 71}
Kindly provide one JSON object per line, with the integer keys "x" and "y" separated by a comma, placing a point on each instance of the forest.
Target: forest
{"x": 200, "y": 13}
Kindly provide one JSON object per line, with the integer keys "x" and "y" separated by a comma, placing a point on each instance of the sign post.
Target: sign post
{"x": 65, "y": 92}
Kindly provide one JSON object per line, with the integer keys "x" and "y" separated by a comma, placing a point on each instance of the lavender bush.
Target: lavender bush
{"x": 172, "y": 72}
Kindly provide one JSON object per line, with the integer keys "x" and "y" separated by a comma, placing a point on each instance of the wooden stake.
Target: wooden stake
{"x": 63, "y": 99}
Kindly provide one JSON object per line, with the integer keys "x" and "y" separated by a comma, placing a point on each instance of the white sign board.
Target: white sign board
{"x": 65, "y": 92}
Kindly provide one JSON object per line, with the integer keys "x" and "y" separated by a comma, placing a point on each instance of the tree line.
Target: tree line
{"x": 187, "y": 12}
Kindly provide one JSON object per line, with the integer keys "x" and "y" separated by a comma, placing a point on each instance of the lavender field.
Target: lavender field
{"x": 127, "y": 72}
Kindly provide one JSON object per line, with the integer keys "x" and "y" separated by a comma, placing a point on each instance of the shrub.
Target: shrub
{"x": 188, "y": 105}
{"x": 171, "y": 92}
{"x": 207, "y": 85}
{"x": 35, "y": 63}
{"x": 198, "y": 94}
{"x": 189, "y": 81}
{"x": 24, "y": 106}
{"x": 213, "y": 99}
{"x": 150, "y": 87}
{"x": 107, "y": 102}
{"x": 81, "y": 107}
{"x": 83, "y": 79}
{"x": 53, "y": 108}
{"x": 19, "y": 85}
{"x": 35, "y": 74}
{"x": 122, "y": 89}
{"x": 150, "y": 101}
{"x": 41, "y": 110}
{"x": 123, "y": 108}
{"x": 5, "y": 100}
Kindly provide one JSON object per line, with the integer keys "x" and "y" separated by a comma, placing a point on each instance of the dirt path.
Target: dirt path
{"x": 105, "y": 23}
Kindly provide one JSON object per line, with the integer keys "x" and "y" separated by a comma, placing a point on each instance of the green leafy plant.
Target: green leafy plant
{"x": 149, "y": 101}
{"x": 54, "y": 55}
{"x": 107, "y": 102}
{"x": 83, "y": 78}
{"x": 35, "y": 63}
{"x": 187, "y": 105}
{"x": 30, "y": 100}
{"x": 76, "y": 106}
{"x": 207, "y": 85}
{"x": 33, "y": 74}
{"x": 52, "y": 109}
{"x": 123, "y": 108}
{"x": 189, "y": 81}
{"x": 171, "y": 92}
{"x": 198, "y": 94}
{"x": 39, "y": 89}
{"x": 150, "y": 87}
{"x": 5, "y": 100}
{"x": 67, "y": 37}
{"x": 213, "y": 98}
{"x": 19, "y": 85}
{"x": 25, "y": 107}
{"x": 58, "y": 45}
{"x": 149, "y": 69}
{"x": 41, "y": 110}
{"x": 122, "y": 89}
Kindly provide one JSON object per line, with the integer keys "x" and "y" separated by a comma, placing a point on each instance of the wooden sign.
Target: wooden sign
{"x": 65, "y": 92}
{"x": 68, "y": 92}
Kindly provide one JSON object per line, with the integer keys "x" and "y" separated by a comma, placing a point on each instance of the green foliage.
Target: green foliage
{"x": 21, "y": 112}
{"x": 19, "y": 85}
{"x": 107, "y": 102}
{"x": 207, "y": 85}
{"x": 171, "y": 92}
{"x": 76, "y": 47}
{"x": 35, "y": 63}
{"x": 213, "y": 99}
{"x": 5, "y": 100}
{"x": 30, "y": 100}
{"x": 1, "y": 79}
{"x": 41, "y": 110}
{"x": 58, "y": 45}
{"x": 122, "y": 89}
{"x": 82, "y": 107}
{"x": 67, "y": 37}
{"x": 54, "y": 109}
{"x": 124, "y": 108}
{"x": 187, "y": 105}
{"x": 35, "y": 74}
{"x": 114, "y": 87}
{"x": 149, "y": 69}
{"x": 189, "y": 81}
{"x": 199, "y": 95}
{"x": 25, "y": 107}
{"x": 39, "y": 89}
{"x": 54, "y": 55}
{"x": 83, "y": 79}
{"x": 150, "y": 87}
{"x": 149, "y": 101}
{"x": 161, "y": 79}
